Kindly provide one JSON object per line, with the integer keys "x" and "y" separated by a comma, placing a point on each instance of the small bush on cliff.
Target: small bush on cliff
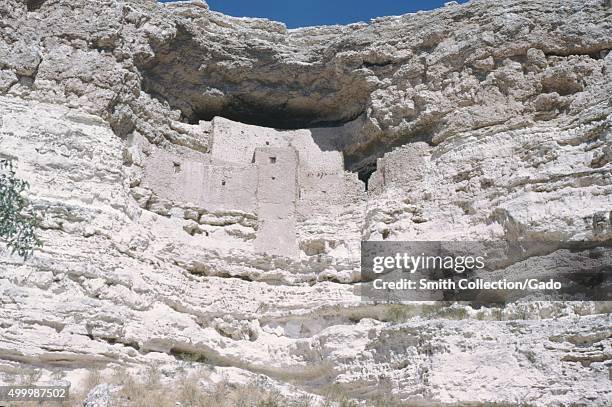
{"x": 18, "y": 221}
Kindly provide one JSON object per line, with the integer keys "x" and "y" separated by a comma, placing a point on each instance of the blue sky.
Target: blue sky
{"x": 296, "y": 13}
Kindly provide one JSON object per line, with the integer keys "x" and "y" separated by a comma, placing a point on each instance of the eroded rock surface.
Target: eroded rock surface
{"x": 199, "y": 180}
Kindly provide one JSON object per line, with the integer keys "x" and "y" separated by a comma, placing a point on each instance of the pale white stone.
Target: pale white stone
{"x": 484, "y": 124}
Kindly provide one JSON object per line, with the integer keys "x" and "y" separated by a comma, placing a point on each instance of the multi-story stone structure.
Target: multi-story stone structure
{"x": 283, "y": 177}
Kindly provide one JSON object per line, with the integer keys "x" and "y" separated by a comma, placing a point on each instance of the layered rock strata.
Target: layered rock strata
{"x": 206, "y": 182}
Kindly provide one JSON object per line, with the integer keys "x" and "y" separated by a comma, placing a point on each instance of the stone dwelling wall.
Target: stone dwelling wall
{"x": 236, "y": 142}
{"x": 320, "y": 174}
{"x": 276, "y": 200}
{"x": 286, "y": 177}
{"x": 401, "y": 167}
{"x": 212, "y": 187}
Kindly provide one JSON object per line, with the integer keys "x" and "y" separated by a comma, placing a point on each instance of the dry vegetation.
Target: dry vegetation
{"x": 187, "y": 390}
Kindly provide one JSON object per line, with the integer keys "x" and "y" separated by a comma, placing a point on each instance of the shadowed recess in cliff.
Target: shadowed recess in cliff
{"x": 34, "y": 5}
{"x": 274, "y": 116}
{"x": 272, "y": 105}
{"x": 254, "y": 87}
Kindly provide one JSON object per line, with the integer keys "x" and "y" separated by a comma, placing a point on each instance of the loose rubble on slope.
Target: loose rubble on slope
{"x": 206, "y": 182}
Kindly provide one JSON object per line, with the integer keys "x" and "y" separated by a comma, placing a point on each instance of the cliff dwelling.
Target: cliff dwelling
{"x": 282, "y": 177}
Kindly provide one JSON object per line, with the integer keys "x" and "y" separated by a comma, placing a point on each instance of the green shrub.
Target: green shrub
{"x": 18, "y": 222}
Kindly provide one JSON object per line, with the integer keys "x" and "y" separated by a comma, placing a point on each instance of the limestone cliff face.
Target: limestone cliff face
{"x": 207, "y": 180}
